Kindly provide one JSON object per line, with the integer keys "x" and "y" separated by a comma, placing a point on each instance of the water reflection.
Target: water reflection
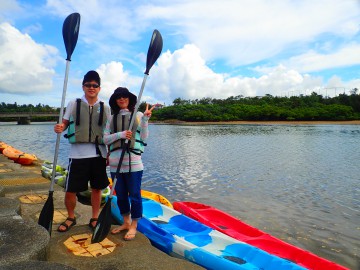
{"x": 299, "y": 183}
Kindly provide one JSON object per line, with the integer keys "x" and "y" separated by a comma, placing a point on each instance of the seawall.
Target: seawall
{"x": 26, "y": 245}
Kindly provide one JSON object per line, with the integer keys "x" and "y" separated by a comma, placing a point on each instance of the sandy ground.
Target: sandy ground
{"x": 354, "y": 122}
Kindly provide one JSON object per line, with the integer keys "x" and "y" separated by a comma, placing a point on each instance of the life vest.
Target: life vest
{"x": 121, "y": 123}
{"x": 86, "y": 123}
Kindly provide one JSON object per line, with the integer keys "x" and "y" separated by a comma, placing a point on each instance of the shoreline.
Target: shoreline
{"x": 276, "y": 122}
{"x": 176, "y": 122}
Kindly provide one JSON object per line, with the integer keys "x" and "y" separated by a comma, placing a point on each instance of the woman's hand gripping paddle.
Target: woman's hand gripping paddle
{"x": 104, "y": 222}
{"x": 70, "y": 33}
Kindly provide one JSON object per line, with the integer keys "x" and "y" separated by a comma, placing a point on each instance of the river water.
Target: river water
{"x": 299, "y": 183}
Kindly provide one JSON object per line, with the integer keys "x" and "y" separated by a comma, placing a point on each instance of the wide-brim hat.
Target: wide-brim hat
{"x": 122, "y": 92}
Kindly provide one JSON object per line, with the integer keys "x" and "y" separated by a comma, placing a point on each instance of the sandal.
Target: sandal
{"x": 129, "y": 236}
{"x": 91, "y": 221}
{"x": 67, "y": 227}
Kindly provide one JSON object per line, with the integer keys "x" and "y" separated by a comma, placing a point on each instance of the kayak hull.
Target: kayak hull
{"x": 181, "y": 236}
{"x": 19, "y": 156}
{"x": 61, "y": 173}
{"x": 235, "y": 228}
{"x": 156, "y": 197}
{"x": 146, "y": 194}
{"x": 3, "y": 146}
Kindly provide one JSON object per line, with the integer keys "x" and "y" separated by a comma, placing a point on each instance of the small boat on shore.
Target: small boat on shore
{"x": 181, "y": 236}
{"x": 156, "y": 197}
{"x": 61, "y": 173}
{"x": 19, "y": 156}
{"x": 227, "y": 224}
{"x": 3, "y": 146}
{"x": 84, "y": 197}
{"x": 146, "y": 195}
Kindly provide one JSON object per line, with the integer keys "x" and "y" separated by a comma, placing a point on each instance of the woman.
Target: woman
{"x": 128, "y": 185}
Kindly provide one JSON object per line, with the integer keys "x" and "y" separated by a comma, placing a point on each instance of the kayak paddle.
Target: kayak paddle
{"x": 70, "y": 33}
{"x": 104, "y": 221}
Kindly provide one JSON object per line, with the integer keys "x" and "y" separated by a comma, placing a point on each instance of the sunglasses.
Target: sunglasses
{"x": 90, "y": 85}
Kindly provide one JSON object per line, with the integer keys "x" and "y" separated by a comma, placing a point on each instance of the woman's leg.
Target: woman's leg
{"x": 134, "y": 185}
{"x": 134, "y": 188}
{"x": 122, "y": 202}
{"x": 122, "y": 193}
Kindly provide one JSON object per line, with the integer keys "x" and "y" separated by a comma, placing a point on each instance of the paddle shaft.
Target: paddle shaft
{"x": 103, "y": 225}
{"x": 70, "y": 33}
{"x": 155, "y": 48}
{"x": 127, "y": 140}
{"x": 57, "y": 145}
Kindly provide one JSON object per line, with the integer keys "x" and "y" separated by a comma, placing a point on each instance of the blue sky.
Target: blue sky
{"x": 211, "y": 48}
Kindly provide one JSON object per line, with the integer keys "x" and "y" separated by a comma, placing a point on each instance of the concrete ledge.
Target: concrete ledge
{"x": 36, "y": 265}
{"x": 26, "y": 245}
{"x": 26, "y": 188}
{"x": 19, "y": 240}
{"x": 9, "y": 207}
{"x": 136, "y": 254}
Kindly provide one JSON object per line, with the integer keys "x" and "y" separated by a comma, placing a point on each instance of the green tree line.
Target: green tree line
{"x": 267, "y": 108}
{"x": 238, "y": 108}
{"x": 14, "y": 108}
{"x": 29, "y": 108}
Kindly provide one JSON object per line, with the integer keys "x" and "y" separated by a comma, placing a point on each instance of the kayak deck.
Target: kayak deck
{"x": 229, "y": 225}
{"x": 181, "y": 236}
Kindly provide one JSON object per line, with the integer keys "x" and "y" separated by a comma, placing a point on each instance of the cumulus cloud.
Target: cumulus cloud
{"x": 185, "y": 74}
{"x": 248, "y": 31}
{"x": 113, "y": 76}
{"x": 113, "y": 24}
{"x": 8, "y": 7}
{"x": 248, "y": 47}
{"x": 27, "y": 67}
{"x": 237, "y": 32}
{"x": 313, "y": 61}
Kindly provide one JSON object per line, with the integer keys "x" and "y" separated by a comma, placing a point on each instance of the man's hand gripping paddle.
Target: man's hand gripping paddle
{"x": 70, "y": 33}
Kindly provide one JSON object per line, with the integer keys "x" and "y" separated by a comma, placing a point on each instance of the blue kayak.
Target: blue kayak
{"x": 181, "y": 236}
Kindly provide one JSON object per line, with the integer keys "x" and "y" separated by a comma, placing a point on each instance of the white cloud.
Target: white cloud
{"x": 8, "y": 7}
{"x": 35, "y": 28}
{"x": 236, "y": 32}
{"x": 312, "y": 61}
{"x": 108, "y": 21}
{"x": 287, "y": 40}
{"x": 185, "y": 74}
{"x": 113, "y": 76}
{"x": 27, "y": 67}
{"x": 247, "y": 31}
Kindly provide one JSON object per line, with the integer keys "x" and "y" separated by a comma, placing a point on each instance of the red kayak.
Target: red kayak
{"x": 237, "y": 229}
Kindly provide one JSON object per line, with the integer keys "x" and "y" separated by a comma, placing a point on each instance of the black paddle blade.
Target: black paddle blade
{"x": 70, "y": 33}
{"x": 104, "y": 223}
{"x": 154, "y": 50}
{"x": 47, "y": 213}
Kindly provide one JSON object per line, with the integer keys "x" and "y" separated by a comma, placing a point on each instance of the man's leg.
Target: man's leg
{"x": 95, "y": 204}
{"x": 70, "y": 203}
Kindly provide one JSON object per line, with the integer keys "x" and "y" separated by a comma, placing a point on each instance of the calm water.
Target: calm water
{"x": 299, "y": 183}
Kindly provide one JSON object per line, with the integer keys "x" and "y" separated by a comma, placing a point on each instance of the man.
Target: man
{"x": 85, "y": 119}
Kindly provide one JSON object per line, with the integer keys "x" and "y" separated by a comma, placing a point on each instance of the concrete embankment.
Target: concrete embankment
{"x": 26, "y": 245}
